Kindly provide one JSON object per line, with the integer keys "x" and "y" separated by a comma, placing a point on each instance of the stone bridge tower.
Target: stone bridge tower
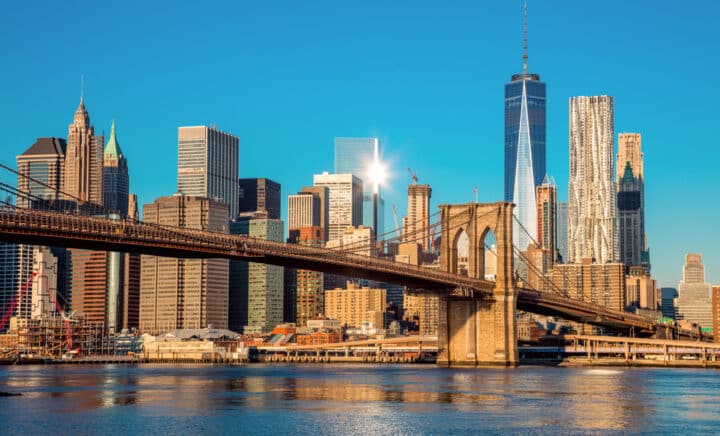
{"x": 476, "y": 328}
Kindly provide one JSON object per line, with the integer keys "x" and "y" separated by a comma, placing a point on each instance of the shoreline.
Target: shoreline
{"x": 308, "y": 360}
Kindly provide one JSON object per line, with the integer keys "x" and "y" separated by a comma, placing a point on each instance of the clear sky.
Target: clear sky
{"x": 425, "y": 77}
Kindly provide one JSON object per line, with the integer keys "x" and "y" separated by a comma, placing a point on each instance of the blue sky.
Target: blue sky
{"x": 425, "y": 77}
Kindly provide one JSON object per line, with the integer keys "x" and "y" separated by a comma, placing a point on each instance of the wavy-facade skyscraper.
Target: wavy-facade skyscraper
{"x": 524, "y": 147}
{"x": 592, "y": 213}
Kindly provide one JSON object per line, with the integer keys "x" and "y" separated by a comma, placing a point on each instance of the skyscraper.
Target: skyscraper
{"x": 630, "y": 179}
{"x": 323, "y": 196}
{"x": 629, "y": 198}
{"x": 44, "y": 162}
{"x": 309, "y": 208}
{"x": 562, "y": 231}
{"x": 630, "y": 150}
{"x": 260, "y": 195}
{"x": 116, "y": 182}
{"x": 97, "y": 278}
{"x": 524, "y": 146}
{"x": 416, "y": 225}
{"x": 265, "y": 282}
{"x": 345, "y": 201}
{"x": 131, "y": 280}
{"x": 208, "y": 161}
{"x": 303, "y": 211}
{"x": 84, "y": 160}
{"x": 89, "y": 281}
{"x": 667, "y": 302}
{"x": 130, "y": 302}
{"x": 357, "y": 156}
{"x": 694, "y": 303}
{"x": 16, "y": 264}
{"x": 309, "y": 285}
{"x": 184, "y": 293}
{"x": 547, "y": 220}
{"x": 592, "y": 227}
{"x": 238, "y": 287}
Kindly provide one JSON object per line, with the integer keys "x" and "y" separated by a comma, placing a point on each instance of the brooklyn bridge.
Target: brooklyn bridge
{"x": 477, "y": 317}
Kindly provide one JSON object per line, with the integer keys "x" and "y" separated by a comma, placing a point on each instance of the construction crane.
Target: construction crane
{"x": 14, "y": 303}
{"x": 395, "y": 217}
{"x": 413, "y": 175}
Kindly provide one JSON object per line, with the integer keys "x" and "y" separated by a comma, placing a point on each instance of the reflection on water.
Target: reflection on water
{"x": 356, "y": 398}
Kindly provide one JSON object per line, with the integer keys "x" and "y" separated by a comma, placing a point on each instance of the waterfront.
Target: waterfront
{"x": 367, "y": 399}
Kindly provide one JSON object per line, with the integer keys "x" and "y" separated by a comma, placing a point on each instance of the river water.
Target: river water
{"x": 355, "y": 399}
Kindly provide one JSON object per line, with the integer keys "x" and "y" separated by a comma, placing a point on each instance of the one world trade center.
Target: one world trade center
{"x": 524, "y": 147}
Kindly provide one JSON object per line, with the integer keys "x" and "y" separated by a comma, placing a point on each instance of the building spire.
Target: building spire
{"x": 525, "y": 43}
{"x": 112, "y": 149}
{"x": 82, "y": 88}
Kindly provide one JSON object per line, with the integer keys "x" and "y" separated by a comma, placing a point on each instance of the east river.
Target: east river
{"x": 355, "y": 399}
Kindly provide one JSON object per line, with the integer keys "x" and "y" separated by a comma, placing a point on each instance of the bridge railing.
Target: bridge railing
{"x": 102, "y": 228}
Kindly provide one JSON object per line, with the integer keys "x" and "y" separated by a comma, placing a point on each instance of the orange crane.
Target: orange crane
{"x": 413, "y": 175}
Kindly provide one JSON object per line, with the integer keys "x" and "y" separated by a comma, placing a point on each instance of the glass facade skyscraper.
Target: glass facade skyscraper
{"x": 532, "y": 89}
{"x": 524, "y": 147}
{"x": 524, "y": 150}
{"x": 356, "y": 156}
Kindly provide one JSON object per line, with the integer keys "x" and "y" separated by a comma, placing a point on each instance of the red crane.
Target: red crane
{"x": 23, "y": 290}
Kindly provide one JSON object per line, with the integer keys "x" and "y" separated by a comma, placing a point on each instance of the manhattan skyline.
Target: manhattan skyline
{"x": 427, "y": 81}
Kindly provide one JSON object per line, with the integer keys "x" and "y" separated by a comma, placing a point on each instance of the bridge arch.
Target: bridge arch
{"x": 478, "y": 220}
{"x": 459, "y": 252}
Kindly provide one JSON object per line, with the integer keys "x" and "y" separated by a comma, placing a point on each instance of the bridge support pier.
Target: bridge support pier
{"x": 477, "y": 332}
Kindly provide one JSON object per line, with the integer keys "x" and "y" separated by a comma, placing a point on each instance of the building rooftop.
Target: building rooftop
{"x": 47, "y": 146}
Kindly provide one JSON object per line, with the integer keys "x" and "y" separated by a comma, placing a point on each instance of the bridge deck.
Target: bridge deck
{"x": 79, "y": 231}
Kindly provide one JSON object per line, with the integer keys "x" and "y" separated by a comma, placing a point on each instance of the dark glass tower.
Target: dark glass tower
{"x": 260, "y": 195}
{"x": 535, "y": 94}
{"x": 116, "y": 182}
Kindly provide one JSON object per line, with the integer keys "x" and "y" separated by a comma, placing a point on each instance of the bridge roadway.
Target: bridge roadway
{"x": 50, "y": 228}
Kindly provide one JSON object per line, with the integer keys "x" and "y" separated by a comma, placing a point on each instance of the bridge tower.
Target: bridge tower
{"x": 474, "y": 328}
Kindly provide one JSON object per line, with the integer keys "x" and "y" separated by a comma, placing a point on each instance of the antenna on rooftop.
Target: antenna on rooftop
{"x": 525, "y": 43}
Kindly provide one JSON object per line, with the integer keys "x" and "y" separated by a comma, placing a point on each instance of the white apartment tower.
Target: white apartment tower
{"x": 592, "y": 226}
